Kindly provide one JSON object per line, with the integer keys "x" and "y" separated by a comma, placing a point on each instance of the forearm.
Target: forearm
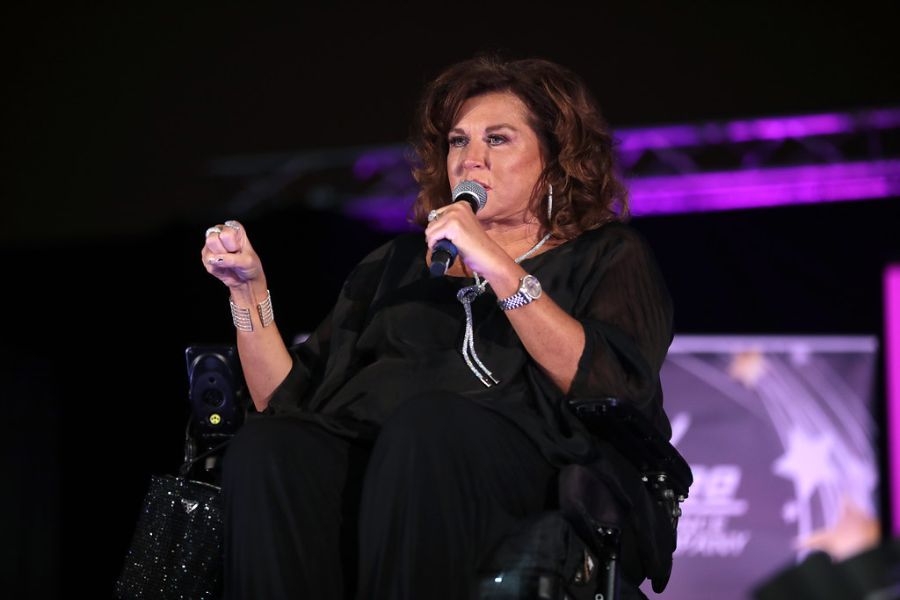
{"x": 554, "y": 339}
{"x": 265, "y": 359}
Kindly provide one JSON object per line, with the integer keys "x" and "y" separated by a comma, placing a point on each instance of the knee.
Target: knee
{"x": 263, "y": 446}
{"x": 438, "y": 425}
{"x": 255, "y": 440}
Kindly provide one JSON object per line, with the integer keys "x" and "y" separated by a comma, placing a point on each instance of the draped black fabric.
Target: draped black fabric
{"x": 396, "y": 332}
{"x": 414, "y": 515}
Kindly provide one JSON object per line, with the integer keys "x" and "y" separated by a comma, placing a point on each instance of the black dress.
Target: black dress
{"x": 396, "y": 332}
{"x": 393, "y": 338}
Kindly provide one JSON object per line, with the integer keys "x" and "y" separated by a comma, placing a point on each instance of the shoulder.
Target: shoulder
{"x": 397, "y": 254}
{"x": 621, "y": 264}
{"x": 613, "y": 241}
{"x": 403, "y": 246}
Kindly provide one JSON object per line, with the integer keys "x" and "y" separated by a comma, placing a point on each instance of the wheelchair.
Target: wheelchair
{"x": 574, "y": 553}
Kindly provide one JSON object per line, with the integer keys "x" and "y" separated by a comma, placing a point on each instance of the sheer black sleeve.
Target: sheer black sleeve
{"x": 626, "y": 312}
{"x": 327, "y": 358}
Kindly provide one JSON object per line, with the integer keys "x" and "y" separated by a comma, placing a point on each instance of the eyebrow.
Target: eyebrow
{"x": 487, "y": 129}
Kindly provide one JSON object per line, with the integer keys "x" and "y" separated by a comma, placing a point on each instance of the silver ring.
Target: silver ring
{"x": 212, "y": 230}
{"x": 433, "y": 215}
{"x": 233, "y": 224}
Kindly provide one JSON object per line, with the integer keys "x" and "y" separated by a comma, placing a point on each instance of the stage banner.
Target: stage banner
{"x": 780, "y": 435}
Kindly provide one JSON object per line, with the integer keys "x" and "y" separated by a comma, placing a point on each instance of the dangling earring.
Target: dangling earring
{"x": 550, "y": 202}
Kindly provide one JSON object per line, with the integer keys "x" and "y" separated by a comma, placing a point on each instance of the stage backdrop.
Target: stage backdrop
{"x": 780, "y": 436}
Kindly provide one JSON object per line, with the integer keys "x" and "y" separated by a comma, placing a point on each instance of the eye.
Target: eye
{"x": 458, "y": 141}
{"x": 496, "y": 139}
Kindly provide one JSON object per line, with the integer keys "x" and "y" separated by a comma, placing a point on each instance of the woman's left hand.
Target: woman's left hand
{"x": 477, "y": 250}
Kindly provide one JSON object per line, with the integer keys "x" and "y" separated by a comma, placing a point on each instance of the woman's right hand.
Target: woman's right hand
{"x": 265, "y": 360}
{"x": 228, "y": 255}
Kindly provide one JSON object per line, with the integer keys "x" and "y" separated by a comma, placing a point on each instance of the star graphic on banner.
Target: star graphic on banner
{"x": 806, "y": 461}
{"x": 790, "y": 512}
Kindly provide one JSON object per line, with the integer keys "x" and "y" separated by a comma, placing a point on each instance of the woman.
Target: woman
{"x": 440, "y": 423}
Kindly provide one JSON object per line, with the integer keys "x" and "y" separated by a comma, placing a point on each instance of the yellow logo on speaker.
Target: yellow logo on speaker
{"x": 215, "y": 418}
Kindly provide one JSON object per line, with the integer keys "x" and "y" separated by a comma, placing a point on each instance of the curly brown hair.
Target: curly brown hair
{"x": 576, "y": 145}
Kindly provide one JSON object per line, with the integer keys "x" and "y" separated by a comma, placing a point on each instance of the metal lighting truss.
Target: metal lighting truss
{"x": 710, "y": 166}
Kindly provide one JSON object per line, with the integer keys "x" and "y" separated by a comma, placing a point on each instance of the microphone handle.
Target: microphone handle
{"x": 442, "y": 256}
{"x": 444, "y": 252}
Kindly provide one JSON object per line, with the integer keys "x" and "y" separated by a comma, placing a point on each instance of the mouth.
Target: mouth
{"x": 486, "y": 187}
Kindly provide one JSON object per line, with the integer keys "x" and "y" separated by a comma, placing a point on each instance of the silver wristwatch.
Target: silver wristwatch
{"x": 529, "y": 291}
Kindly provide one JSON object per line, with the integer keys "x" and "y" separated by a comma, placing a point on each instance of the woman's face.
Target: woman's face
{"x": 492, "y": 143}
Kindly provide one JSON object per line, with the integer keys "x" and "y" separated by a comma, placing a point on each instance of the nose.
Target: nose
{"x": 475, "y": 156}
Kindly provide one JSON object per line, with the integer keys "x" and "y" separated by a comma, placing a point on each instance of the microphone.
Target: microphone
{"x": 444, "y": 252}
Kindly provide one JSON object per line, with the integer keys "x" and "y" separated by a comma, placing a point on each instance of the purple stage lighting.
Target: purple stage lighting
{"x": 756, "y": 188}
{"x": 706, "y": 192}
{"x": 750, "y": 130}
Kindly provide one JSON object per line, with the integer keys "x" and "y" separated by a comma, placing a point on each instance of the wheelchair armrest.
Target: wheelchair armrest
{"x": 630, "y": 432}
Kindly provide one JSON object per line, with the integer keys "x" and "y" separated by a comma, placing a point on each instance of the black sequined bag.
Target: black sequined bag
{"x": 176, "y": 551}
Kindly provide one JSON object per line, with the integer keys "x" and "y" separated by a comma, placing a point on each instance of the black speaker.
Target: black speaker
{"x": 216, "y": 393}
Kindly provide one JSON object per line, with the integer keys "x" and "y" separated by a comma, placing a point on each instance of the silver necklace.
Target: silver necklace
{"x": 466, "y": 296}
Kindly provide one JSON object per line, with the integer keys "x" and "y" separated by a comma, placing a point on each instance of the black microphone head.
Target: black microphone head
{"x": 472, "y": 192}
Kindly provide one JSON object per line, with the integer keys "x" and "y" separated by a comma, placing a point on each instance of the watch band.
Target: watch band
{"x": 517, "y": 300}
{"x": 529, "y": 291}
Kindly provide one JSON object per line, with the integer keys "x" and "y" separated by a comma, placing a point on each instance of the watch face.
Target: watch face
{"x": 531, "y": 286}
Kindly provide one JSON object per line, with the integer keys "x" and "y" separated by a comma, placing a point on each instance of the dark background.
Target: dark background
{"x": 112, "y": 114}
